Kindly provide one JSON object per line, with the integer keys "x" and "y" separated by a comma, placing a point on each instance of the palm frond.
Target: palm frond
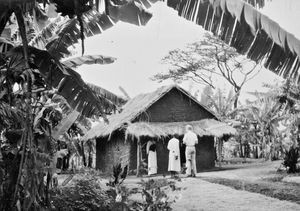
{"x": 46, "y": 34}
{"x": 65, "y": 124}
{"x": 68, "y": 83}
{"x": 9, "y": 115}
{"x": 68, "y": 32}
{"x": 5, "y": 14}
{"x": 88, "y": 59}
{"x": 131, "y": 12}
{"x": 257, "y": 3}
{"x": 5, "y": 45}
{"x": 113, "y": 98}
{"x": 248, "y": 31}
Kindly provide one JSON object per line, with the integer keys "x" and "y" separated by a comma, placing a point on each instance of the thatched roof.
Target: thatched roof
{"x": 205, "y": 127}
{"x": 140, "y": 104}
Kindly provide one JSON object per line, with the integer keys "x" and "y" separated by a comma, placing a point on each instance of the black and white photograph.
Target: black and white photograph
{"x": 149, "y": 105}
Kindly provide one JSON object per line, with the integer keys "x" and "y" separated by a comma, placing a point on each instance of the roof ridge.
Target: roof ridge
{"x": 168, "y": 88}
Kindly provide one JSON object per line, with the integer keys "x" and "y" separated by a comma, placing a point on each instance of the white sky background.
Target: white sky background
{"x": 139, "y": 50}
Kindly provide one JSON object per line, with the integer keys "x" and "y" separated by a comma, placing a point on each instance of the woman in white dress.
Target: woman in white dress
{"x": 152, "y": 159}
{"x": 174, "y": 156}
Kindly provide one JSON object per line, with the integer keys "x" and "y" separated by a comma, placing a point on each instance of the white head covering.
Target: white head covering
{"x": 188, "y": 128}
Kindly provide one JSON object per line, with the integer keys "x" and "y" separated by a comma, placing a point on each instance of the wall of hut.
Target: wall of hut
{"x": 174, "y": 106}
{"x": 111, "y": 152}
{"x": 205, "y": 154}
{"x": 161, "y": 151}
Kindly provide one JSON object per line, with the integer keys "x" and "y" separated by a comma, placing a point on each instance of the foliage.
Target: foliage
{"x": 221, "y": 103}
{"x": 291, "y": 159}
{"x": 248, "y": 31}
{"x": 118, "y": 176}
{"x": 208, "y": 58}
{"x": 262, "y": 118}
{"x": 85, "y": 194}
{"x": 154, "y": 183}
{"x": 88, "y": 59}
{"x": 154, "y": 196}
{"x": 31, "y": 153}
{"x": 109, "y": 96}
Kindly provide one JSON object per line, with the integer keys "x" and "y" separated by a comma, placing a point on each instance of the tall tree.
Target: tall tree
{"x": 208, "y": 58}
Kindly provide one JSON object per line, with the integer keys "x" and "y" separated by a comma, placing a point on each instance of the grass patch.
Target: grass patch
{"x": 273, "y": 187}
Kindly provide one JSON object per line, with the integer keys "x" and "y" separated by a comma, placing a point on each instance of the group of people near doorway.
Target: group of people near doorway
{"x": 190, "y": 140}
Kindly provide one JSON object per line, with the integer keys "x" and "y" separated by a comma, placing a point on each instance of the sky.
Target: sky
{"x": 139, "y": 49}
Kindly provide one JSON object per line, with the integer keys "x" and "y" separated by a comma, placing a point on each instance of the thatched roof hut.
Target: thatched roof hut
{"x": 138, "y": 105}
{"x": 157, "y": 115}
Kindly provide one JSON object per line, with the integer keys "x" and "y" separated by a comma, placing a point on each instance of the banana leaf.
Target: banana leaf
{"x": 88, "y": 59}
{"x": 247, "y": 30}
{"x": 68, "y": 83}
{"x": 114, "y": 99}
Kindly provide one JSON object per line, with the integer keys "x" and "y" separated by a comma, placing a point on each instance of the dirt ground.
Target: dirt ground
{"x": 258, "y": 177}
{"x": 201, "y": 195}
{"x": 198, "y": 194}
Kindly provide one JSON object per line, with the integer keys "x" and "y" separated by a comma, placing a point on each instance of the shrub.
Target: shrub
{"x": 118, "y": 176}
{"x": 154, "y": 195}
{"x": 85, "y": 194}
{"x": 291, "y": 159}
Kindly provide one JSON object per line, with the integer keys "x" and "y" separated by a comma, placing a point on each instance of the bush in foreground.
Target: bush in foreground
{"x": 84, "y": 194}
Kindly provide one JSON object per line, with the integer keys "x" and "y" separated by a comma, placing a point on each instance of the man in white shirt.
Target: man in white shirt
{"x": 190, "y": 139}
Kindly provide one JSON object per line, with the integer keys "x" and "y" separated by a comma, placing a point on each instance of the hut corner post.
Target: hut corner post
{"x": 219, "y": 150}
{"x": 138, "y": 163}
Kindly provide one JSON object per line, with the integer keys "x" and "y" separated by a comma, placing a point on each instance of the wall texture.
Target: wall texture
{"x": 205, "y": 153}
{"x": 112, "y": 152}
{"x": 174, "y": 107}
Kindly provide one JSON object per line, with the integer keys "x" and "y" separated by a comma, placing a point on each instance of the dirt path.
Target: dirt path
{"x": 197, "y": 194}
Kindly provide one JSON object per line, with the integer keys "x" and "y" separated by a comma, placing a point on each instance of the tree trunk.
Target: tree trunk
{"x": 138, "y": 163}
{"x": 241, "y": 149}
{"x": 237, "y": 96}
{"x": 220, "y": 148}
{"x": 83, "y": 154}
{"x": 256, "y": 152}
{"x": 90, "y": 160}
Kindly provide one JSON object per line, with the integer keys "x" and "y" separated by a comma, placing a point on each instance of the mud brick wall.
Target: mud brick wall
{"x": 112, "y": 152}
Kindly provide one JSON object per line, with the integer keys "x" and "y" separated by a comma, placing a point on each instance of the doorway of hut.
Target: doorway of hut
{"x": 205, "y": 154}
{"x": 162, "y": 154}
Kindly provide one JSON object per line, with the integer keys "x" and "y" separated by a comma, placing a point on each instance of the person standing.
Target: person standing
{"x": 190, "y": 139}
{"x": 174, "y": 156}
{"x": 152, "y": 159}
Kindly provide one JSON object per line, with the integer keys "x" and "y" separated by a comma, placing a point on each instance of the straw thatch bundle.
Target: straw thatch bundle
{"x": 206, "y": 127}
{"x": 162, "y": 129}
